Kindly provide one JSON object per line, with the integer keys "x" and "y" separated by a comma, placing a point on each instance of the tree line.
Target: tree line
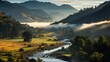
{"x": 91, "y": 50}
{"x": 10, "y": 28}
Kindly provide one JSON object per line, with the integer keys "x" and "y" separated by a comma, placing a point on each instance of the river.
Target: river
{"x": 44, "y": 55}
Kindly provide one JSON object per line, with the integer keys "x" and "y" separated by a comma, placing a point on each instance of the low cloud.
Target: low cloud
{"x": 86, "y": 26}
{"x": 38, "y": 24}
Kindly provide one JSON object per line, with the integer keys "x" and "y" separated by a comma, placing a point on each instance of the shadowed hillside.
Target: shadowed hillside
{"x": 10, "y": 28}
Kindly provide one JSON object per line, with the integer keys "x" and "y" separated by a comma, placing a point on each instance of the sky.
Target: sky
{"x": 78, "y": 4}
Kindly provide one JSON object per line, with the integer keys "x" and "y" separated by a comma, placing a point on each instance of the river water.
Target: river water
{"x": 45, "y": 54}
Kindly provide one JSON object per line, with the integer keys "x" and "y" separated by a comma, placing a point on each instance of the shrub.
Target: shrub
{"x": 39, "y": 60}
{"x": 49, "y": 40}
{"x": 52, "y": 45}
{"x": 96, "y": 57}
{"x": 32, "y": 60}
{"x": 29, "y": 45}
{"x": 55, "y": 39}
{"x": 44, "y": 44}
{"x": 63, "y": 48}
{"x": 21, "y": 50}
{"x": 10, "y": 59}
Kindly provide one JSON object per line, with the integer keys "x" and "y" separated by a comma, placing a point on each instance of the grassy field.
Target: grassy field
{"x": 16, "y": 44}
{"x": 13, "y": 46}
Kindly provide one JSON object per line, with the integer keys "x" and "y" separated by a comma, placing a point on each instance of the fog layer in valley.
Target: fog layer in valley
{"x": 61, "y": 25}
{"x": 38, "y": 24}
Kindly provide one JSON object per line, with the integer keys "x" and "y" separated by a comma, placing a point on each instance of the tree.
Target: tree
{"x": 101, "y": 40}
{"x": 27, "y": 36}
{"x": 96, "y": 57}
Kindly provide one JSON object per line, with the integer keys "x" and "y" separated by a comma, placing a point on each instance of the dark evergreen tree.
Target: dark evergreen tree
{"x": 27, "y": 36}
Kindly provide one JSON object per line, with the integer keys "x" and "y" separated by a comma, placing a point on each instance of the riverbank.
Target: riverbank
{"x": 47, "y": 55}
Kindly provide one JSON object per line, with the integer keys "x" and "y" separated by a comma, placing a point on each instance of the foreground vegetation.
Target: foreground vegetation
{"x": 15, "y": 50}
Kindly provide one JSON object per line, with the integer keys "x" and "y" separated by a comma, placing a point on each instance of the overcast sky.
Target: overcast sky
{"x": 78, "y": 4}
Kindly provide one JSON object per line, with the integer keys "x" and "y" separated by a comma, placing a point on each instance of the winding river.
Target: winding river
{"x": 45, "y": 54}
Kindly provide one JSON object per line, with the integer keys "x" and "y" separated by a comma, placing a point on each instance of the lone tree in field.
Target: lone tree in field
{"x": 27, "y": 36}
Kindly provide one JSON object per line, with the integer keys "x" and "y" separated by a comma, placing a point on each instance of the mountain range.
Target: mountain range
{"x": 24, "y": 13}
{"x": 89, "y": 15}
{"x": 55, "y": 11}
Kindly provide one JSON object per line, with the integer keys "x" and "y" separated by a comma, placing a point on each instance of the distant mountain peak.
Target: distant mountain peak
{"x": 65, "y": 5}
{"x": 36, "y": 2}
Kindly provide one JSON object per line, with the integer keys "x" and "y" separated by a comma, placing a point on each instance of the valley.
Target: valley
{"x": 54, "y": 31}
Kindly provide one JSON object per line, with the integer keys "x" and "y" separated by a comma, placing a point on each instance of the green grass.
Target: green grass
{"x": 15, "y": 44}
{"x": 68, "y": 55}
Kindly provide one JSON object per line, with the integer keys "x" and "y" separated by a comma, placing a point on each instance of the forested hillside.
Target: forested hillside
{"x": 10, "y": 28}
{"x": 89, "y": 15}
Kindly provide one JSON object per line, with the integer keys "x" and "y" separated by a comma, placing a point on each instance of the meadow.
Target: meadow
{"x": 17, "y": 48}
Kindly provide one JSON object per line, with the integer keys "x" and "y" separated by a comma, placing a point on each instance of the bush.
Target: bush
{"x": 52, "y": 45}
{"x": 63, "y": 48}
{"x": 21, "y": 50}
{"x": 32, "y": 60}
{"x": 55, "y": 39}
{"x": 10, "y": 59}
{"x": 96, "y": 57}
{"x": 24, "y": 44}
{"x": 49, "y": 40}
{"x": 29, "y": 45}
{"x": 44, "y": 44}
{"x": 39, "y": 60}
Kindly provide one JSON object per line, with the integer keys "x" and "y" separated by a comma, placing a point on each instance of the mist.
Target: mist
{"x": 76, "y": 27}
{"x": 38, "y": 24}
